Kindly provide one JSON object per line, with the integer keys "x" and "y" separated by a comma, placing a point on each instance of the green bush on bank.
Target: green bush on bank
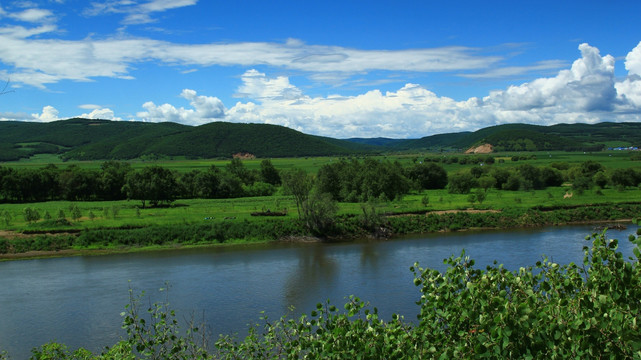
{"x": 344, "y": 226}
{"x": 545, "y": 311}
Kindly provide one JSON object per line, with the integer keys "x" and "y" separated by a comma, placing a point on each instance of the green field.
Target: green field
{"x": 610, "y": 159}
{"x": 233, "y": 215}
{"x": 193, "y": 211}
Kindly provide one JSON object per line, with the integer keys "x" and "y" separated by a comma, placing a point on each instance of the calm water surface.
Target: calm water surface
{"x": 78, "y": 300}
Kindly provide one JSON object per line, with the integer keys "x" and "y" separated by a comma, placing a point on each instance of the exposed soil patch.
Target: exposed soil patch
{"x": 12, "y": 234}
{"x": 481, "y": 149}
{"x": 470, "y": 211}
{"x": 32, "y": 233}
{"x": 440, "y": 212}
{"x": 244, "y": 156}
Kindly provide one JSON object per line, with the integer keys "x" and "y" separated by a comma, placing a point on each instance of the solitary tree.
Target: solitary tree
{"x": 298, "y": 183}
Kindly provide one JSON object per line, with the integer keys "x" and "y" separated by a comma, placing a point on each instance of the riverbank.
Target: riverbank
{"x": 15, "y": 246}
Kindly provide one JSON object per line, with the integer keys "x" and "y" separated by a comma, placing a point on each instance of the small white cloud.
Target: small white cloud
{"x": 100, "y": 113}
{"x": 49, "y": 113}
{"x": 257, "y": 86}
{"x": 33, "y": 15}
{"x": 205, "y": 109}
{"x": 89, "y": 106}
{"x": 633, "y": 61}
{"x": 136, "y": 12}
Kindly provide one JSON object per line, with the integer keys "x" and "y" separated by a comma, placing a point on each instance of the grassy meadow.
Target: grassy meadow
{"x": 237, "y": 213}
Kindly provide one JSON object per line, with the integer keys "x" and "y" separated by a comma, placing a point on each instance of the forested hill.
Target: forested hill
{"x": 523, "y": 137}
{"x": 83, "y": 139}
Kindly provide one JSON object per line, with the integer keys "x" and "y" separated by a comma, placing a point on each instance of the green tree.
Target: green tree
{"x": 428, "y": 175}
{"x": 600, "y": 179}
{"x": 30, "y": 215}
{"x": 113, "y": 178}
{"x": 238, "y": 169}
{"x": 319, "y": 210}
{"x": 298, "y": 183}
{"x": 75, "y": 212}
{"x": 486, "y": 182}
{"x": 155, "y": 184}
{"x": 513, "y": 182}
{"x": 268, "y": 173}
{"x": 531, "y": 177}
{"x": 6, "y": 217}
{"x": 461, "y": 183}
{"x": 625, "y": 178}
{"x": 207, "y": 183}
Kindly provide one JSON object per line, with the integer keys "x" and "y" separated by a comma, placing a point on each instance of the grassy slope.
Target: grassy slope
{"x": 82, "y": 139}
{"x": 556, "y": 137}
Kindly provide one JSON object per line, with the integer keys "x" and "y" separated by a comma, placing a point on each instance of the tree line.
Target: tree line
{"x": 344, "y": 180}
{"x": 154, "y": 185}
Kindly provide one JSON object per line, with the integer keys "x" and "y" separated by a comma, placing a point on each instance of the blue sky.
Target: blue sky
{"x": 403, "y": 69}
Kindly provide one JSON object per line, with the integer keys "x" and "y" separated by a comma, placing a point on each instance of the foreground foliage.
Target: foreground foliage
{"x": 546, "y": 311}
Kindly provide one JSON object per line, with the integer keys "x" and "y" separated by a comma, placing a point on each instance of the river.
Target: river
{"x": 78, "y": 300}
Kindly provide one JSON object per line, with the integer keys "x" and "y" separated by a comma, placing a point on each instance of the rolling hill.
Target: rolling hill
{"x": 524, "y": 137}
{"x": 85, "y": 139}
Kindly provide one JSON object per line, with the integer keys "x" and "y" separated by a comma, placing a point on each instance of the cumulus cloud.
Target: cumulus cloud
{"x": 587, "y": 86}
{"x": 49, "y": 113}
{"x": 633, "y": 61}
{"x": 586, "y": 92}
{"x": 100, "y": 113}
{"x": 204, "y": 109}
{"x": 629, "y": 90}
{"x": 257, "y": 86}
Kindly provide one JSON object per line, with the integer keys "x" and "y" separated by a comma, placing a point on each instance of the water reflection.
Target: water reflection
{"x": 315, "y": 270}
{"x": 370, "y": 255}
{"x": 78, "y": 300}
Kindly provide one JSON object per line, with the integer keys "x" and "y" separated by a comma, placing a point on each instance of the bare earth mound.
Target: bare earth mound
{"x": 481, "y": 149}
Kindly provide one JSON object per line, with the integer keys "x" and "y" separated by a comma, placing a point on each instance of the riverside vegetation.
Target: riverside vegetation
{"x": 120, "y": 206}
{"x": 544, "y": 311}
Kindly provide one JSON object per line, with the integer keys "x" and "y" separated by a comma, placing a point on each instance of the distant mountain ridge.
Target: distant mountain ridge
{"x": 525, "y": 137}
{"x": 88, "y": 139}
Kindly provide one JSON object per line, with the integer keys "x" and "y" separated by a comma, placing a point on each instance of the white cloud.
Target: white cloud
{"x": 205, "y": 109}
{"x": 136, "y": 12}
{"x": 100, "y": 113}
{"x": 633, "y": 61}
{"x": 587, "y": 86}
{"x": 517, "y": 70}
{"x": 257, "y": 86}
{"x": 586, "y": 92}
{"x": 113, "y": 57}
{"x": 89, "y": 106}
{"x": 33, "y": 15}
{"x": 49, "y": 113}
